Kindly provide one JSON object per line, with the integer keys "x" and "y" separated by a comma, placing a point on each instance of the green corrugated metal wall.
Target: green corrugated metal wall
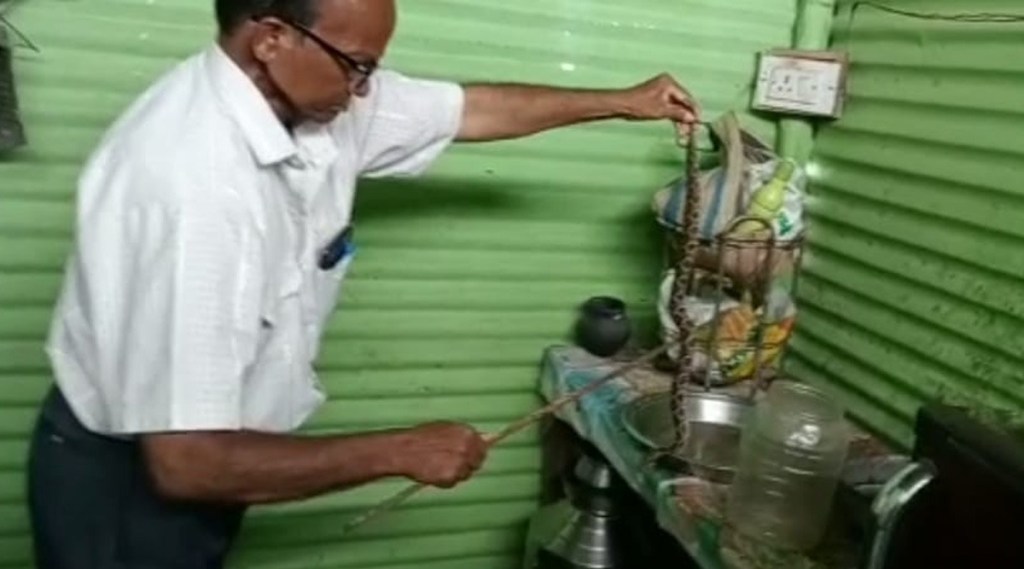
{"x": 914, "y": 285}
{"x": 464, "y": 276}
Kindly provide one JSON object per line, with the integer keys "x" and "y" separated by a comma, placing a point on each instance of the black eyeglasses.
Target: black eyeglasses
{"x": 359, "y": 72}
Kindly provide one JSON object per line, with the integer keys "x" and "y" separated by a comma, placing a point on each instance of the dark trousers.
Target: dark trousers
{"x": 93, "y": 506}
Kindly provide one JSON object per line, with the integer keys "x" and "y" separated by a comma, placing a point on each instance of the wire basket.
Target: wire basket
{"x": 743, "y": 288}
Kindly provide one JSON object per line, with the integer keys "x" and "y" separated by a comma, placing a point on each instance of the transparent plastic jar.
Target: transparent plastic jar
{"x": 791, "y": 455}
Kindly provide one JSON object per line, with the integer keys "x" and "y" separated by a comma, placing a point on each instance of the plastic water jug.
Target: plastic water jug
{"x": 791, "y": 455}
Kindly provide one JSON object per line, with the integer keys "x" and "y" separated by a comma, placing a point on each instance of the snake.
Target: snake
{"x": 687, "y": 240}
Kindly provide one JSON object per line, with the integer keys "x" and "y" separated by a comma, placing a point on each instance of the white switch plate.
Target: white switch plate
{"x": 801, "y": 82}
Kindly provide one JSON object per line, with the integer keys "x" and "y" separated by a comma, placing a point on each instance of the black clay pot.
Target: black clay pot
{"x": 603, "y": 326}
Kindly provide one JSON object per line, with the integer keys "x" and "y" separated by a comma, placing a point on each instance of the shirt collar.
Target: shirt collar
{"x": 267, "y": 137}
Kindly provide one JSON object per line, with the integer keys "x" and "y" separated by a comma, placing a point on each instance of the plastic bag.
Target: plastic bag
{"x": 728, "y": 350}
{"x": 745, "y": 164}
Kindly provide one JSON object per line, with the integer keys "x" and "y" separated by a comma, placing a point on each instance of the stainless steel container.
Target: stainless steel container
{"x": 715, "y": 422}
{"x": 590, "y": 537}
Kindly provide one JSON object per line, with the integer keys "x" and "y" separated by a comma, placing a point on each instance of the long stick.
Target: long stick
{"x": 512, "y": 428}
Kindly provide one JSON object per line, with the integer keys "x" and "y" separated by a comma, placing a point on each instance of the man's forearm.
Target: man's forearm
{"x": 502, "y": 111}
{"x": 497, "y": 112}
{"x": 253, "y": 468}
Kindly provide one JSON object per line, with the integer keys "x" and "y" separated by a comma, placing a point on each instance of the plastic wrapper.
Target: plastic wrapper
{"x": 730, "y": 349}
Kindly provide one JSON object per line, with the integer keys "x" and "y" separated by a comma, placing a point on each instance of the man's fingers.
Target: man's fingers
{"x": 476, "y": 451}
{"x": 677, "y": 89}
{"x": 479, "y": 454}
{"x": 682, "y": 129}
{"x": 682, "y": 114}
{"x": 682, "y": 106}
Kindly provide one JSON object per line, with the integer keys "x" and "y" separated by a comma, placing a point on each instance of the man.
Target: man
{"x": 210, "y": 246}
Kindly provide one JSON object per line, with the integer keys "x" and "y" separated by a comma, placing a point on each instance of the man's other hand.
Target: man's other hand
{"x": 442, "y": 454}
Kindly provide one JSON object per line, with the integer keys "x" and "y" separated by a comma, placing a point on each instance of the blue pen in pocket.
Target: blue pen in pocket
{"x": 337, "y": 249}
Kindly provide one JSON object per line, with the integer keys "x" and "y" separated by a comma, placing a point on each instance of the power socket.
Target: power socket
{"x": 801, "y": 82}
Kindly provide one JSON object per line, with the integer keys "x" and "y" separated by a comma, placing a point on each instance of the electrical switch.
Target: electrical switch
{"x": 801, "y": 82}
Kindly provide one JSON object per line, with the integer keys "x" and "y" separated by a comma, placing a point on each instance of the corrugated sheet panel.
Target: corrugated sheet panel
{"x": 914, "y": 286}
{"x": 463, "y": 277}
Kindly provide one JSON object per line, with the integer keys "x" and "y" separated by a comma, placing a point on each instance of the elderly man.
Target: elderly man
{"x": 210, "y": 244}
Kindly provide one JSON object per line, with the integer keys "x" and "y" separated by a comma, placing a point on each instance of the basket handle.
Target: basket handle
{"x": 727, "y": 130}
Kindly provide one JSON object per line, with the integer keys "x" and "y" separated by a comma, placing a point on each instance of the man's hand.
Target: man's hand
{"x": 661, "y": 98}
{"x": 442, "y": 454}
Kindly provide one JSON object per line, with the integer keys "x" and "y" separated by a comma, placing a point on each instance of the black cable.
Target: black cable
{"x": 960, "y": 17}
{"x": 6, "y": 6}
{"x": 965, "y": 17}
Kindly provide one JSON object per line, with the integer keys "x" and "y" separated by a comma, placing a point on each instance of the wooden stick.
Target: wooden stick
{"x": 396, "y": 499}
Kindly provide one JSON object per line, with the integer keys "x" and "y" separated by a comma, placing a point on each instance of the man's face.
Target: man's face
{"x": 317, "y": 70}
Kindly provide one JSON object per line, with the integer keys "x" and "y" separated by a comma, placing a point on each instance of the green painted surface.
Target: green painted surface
{"x": 914, "y": 284}
{"x": 811, "y": 31}
{"x": 463, "y": 277}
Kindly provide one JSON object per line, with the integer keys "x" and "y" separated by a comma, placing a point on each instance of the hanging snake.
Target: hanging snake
{"x": 686, "y": 251}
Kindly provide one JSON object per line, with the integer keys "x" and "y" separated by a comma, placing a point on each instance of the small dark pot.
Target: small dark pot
{"x": 603, "y": 327}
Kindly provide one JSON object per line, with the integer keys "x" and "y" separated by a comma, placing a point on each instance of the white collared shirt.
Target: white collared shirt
{"x": 192, "y": 299}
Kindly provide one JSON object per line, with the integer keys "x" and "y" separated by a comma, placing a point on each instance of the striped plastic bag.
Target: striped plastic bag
{"x": 725, "y": 186}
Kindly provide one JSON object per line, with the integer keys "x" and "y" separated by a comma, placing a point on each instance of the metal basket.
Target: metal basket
{"x": 744, "y": 260}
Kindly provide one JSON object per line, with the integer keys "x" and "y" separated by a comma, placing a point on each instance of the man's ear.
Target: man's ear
{"x": 269, "y": 38}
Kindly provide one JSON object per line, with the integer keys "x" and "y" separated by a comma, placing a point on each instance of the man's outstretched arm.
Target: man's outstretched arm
{"x": 504, "y": 111}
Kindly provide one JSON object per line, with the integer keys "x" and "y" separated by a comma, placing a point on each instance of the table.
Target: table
{"x": 687, "y": 507}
